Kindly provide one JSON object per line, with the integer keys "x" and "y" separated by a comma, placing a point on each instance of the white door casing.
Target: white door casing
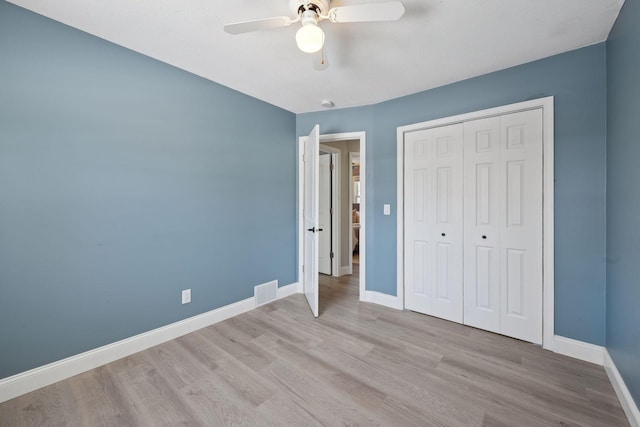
{"x": 324, "y": 214}
{"x": 433, "y": 221}
{"x": 310, "y": 214}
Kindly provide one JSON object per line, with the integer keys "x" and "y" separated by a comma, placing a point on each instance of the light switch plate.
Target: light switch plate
{"x": 387, "y": 209}
{"x": 186, "y": 296}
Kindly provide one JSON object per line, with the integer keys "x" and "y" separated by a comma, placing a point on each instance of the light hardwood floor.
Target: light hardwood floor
{"x": 357, "y": 364}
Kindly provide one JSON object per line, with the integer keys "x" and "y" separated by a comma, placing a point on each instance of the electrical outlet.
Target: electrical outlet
{"x": 186, "y": 296}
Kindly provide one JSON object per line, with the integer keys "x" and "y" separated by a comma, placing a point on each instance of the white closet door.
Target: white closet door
{"x": 433, "y": 221}
{"x": 482, "y": 223}
{"x": 503, "y": 225}
{"x": 521, "y": 269}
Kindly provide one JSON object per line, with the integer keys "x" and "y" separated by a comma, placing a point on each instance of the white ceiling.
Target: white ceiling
{"x": 435, "y": 43}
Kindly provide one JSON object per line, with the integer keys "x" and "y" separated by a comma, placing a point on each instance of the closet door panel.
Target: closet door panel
{"x": 482, "y": 220}
{"x": 433, "y": 222}
{"x": 521, "y": 271}
{"x": 447, "y": 227}
{"x": 418, "y": 217}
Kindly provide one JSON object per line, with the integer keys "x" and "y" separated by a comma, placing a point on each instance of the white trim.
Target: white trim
{"x": 400, "y": 215}
{"x": 600, "y": 356}
{"x": 346, "y": 136}
{"x": 383, "y": 299}
{"x": 579, "y": 349}
{"x": 548, "y": 203}
{"x": 288, "y": 290}
{"x": 300, "y": 213}
{"x": 42, "y": 376}
{"x": 548, "y": 218}
{"x": 624, "y": 395}
{"x": 345, "y": 269}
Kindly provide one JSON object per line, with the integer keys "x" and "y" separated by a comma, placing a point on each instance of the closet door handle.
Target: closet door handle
{"x": 444, "y": 234}
{"x": 484, "y": 237}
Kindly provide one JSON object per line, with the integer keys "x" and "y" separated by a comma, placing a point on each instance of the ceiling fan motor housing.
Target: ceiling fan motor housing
{"x": 321, "y": 7}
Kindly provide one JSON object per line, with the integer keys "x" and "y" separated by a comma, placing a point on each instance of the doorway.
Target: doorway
{"x": 348, "y": 214}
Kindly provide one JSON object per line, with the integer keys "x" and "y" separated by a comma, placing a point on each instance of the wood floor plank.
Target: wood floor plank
{"x": 215, "y": 404}
{"x": 99, "y": 399}
{"x": 152, "y": 399}
{"x": 324, "y": 406}
{"x": 287, "y": 411}
{"x": 357, "y": 364}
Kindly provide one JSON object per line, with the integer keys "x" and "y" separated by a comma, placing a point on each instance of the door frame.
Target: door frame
{"x": 546, "y": 104}
{"x": 336, "y": 233}
{"x": 345, "y": 136}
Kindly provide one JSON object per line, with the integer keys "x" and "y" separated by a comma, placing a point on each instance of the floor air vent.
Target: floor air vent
{"x": 266, "y": 292}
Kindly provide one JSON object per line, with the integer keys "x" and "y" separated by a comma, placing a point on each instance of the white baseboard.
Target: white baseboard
{"x": 345, "y": 270}
{"x": 285, "y": 291}
{"x": 579, "y": 350}
{"x": 600, "y": 356}
{"x": 626, "y": 400}
{"x": 42, "y": 376}
{"x": 383, "y": 299}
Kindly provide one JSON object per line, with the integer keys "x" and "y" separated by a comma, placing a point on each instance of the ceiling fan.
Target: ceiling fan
{"x": 310, "y": 37}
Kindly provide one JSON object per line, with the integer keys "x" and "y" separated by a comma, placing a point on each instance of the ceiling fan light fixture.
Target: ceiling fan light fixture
{"x": 310, "y": 37}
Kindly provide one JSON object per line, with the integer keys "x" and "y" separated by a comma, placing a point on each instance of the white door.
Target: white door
{"x": 503, "y": 225}
{"x": 433, "y": 222}
{"x": 482, "y": 221}
{"x": 324, "y": 214}
{"x": 521, "y": 271}
{"x": 310, "y": 213}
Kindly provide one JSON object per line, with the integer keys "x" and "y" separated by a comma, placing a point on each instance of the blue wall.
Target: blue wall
{"x": 623, "y": 195}
{"x": 123, "y": 181}
{"x": 577, "y": 81}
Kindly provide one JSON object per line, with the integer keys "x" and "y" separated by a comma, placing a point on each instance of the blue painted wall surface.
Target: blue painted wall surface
{"x": 123, "y": 181}
{"x": 623, "y": 195}
{"x": 577, "y": 80}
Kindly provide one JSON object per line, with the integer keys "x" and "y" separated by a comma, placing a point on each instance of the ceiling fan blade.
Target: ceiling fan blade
{"x": 370, "y": 12}
{"x": 258, "y": 24}
{"x": 320, "y": 61}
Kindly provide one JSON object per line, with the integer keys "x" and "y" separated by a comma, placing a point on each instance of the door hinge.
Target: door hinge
{"x": 331, "y": 255}
{"x": 331, "y": 166}
{"x": 330, "y": 211}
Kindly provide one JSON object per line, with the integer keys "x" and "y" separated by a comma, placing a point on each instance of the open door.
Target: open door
{"x": 311, "y": 159}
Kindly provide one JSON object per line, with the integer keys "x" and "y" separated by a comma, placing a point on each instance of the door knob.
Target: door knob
{"x": 443, "y": 234}
{"x": 313, "y": 229}
{"x": 484, "y": 237}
